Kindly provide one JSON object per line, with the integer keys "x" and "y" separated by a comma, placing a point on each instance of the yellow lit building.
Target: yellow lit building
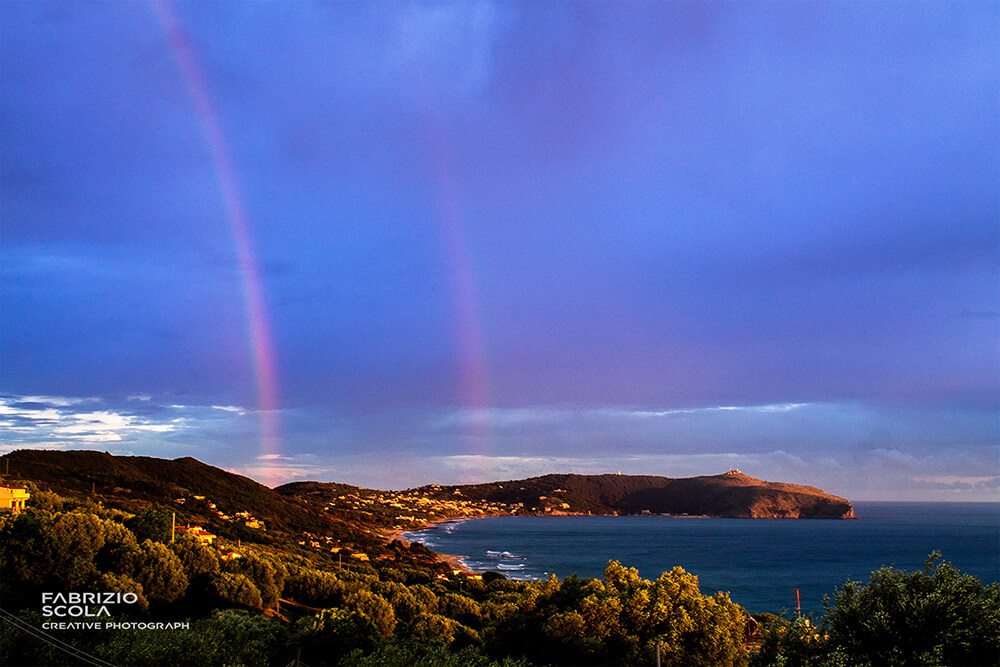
{"x": 198, "y": 533}
{"x": 12, "y": 498}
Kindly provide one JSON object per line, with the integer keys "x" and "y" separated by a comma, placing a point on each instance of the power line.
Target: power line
{"x": 55, "y": 642}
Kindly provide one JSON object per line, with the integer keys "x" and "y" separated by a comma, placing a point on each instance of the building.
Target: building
{"x": 198, "y": 533}
{"x": 12, "y": 498}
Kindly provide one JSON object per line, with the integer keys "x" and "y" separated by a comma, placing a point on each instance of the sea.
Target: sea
{"x": 766, "y": 565}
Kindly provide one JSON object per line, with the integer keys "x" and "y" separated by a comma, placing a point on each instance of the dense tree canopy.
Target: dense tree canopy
{"x": 933, "y": 618}
{"x": 622, "y": 618}
{"x": 400, "y": 612}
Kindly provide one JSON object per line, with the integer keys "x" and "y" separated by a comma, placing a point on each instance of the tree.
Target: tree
{"x": 464, "y": 610}
{"x": 314, "y": 587}
{"x": 151, "y": 524}
{"x": 792, "y": 643}
{"x": 74, "y": 541}
{"x": 332, "y": 633}
{"x": 267, "y": 574}
{"x": 375, "y": 607}
{"x": 620, "y": 619}
{"x": 434, "y": 628}
{"x": 196, "y": 558}
{"x": 22, "y": 539}
{"x": 405, "y": 605}
{"x": 935, "y": 617}
{"x": 159, "y": 571}
{"x": 230, "y": 637}
{"x": 237, "y": 590}
{"x": 408, "y": 653}
{"x": 122, "y": 583}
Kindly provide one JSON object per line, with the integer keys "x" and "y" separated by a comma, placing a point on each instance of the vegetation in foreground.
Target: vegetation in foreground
{"x": 267, "y": 599}
{"x": 937, "y": 617}
{"x": 273, "y": 604}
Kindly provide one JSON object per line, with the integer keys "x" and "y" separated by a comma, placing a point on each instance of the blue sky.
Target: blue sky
{"x": 400, "y": 243}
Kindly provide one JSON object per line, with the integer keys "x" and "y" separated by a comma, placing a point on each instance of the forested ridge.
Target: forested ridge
{"x": 339, "y": 592}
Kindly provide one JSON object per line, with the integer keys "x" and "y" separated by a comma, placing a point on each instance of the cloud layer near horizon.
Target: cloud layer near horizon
{"x": 850, "y": 450}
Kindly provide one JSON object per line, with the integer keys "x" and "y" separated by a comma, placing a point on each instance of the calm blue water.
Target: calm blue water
{"x": 760, "y": 562}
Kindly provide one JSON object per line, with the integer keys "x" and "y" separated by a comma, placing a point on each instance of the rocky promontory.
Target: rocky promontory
{"x": 731, "y": 494}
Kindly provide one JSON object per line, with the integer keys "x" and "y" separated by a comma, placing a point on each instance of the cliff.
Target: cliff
{"x": 731, "y": 494}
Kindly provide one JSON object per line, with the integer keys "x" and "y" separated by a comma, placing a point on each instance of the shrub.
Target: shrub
{"x": 935, "y": 617}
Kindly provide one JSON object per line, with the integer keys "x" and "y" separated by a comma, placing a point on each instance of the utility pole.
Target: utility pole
{"x": 173, "y": 525}
{"x": 798, "y": 603}
{"x": 657, "y": 654}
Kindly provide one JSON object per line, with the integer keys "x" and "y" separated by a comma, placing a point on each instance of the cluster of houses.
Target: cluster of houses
{"x": 12, "y": 500}
{"x": 208, "y": 539}
{"x": 411, "y": 509}
{"x": 327, "y": 543}
{"x": 244, "y": 517}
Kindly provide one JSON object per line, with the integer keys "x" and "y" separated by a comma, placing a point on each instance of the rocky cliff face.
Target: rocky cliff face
{"x": 728, "y": 495}
{"x": 741, "y": 496}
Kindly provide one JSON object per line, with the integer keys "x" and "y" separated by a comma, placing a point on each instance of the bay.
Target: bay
{"x": 760, "y": 563}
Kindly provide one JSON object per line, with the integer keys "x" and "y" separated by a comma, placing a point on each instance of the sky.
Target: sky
{"x": 393, "y": 244}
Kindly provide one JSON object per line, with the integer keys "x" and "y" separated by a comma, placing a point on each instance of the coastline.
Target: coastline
{"x": 456, "y": 563}
{"x": 453, "y": 560}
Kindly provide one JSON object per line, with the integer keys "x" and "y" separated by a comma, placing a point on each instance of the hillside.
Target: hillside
{"x": 196, "y": 491}
{"x": 343, "y": 511}
{"x": 731, "y": 494}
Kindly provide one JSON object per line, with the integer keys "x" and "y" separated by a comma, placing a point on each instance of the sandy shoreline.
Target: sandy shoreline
{"x": 453, "y": 560}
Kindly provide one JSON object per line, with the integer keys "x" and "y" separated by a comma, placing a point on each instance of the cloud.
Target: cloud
{"x": 769, "y": 408}
{"x": 776, "y": 442}
{"x": 71, "y": 422}
{"x": 667, "y": 430}
{"x": 954, "y": 483}
{"x": 230, "y": 408}
{"x": 501, "y": 417}
{"x": 276, "y": 469}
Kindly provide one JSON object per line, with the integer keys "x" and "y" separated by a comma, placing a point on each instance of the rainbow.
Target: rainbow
{"x": 261, "y": 347}
{"x": 474, "y": 388}
{"x": 473, "y": 377}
